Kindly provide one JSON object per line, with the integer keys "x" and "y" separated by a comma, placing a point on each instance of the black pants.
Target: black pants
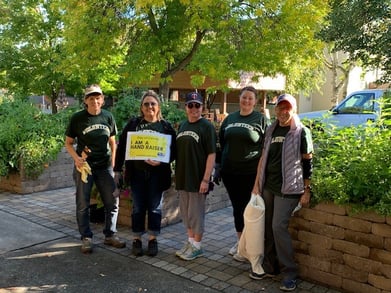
{"x": 239, "y": 187}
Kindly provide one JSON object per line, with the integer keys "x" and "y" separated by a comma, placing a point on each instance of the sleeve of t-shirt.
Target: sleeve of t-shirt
{"x": 69, "y": 131}
{"x": 211, "y": 140}
{"x": 306, "y": 141}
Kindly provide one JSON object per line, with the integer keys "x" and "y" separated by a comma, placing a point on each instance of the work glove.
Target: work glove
{"x": 85, "y": 170}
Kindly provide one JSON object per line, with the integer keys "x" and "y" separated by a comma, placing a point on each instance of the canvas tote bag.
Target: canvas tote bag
{"x": 251, "y": 243}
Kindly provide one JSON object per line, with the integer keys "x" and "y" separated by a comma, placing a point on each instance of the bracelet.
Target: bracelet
{"x": 205, "y": 181}
{"x": 309, "y": 187}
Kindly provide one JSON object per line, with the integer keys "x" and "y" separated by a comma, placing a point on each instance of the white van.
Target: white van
{"x": 356, "y": 109}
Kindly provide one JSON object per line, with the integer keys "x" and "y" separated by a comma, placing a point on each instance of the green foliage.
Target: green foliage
{"x": 128, "y": 105}
{"x": 362, "y": 29}
{"x": 141, "y": 40}
{"x": 173, "y": 113}
{"x": 29, "y": 139}
{"x": 353, "y": 166}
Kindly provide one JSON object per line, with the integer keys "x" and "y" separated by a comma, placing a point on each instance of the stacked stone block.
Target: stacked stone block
{"x": 344, "y": 250}
{"x": 57, "y": 174}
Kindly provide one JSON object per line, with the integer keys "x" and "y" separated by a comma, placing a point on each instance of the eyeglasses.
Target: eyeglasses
{"x": 191, "y": 105}
{"x": 151, "y": 104}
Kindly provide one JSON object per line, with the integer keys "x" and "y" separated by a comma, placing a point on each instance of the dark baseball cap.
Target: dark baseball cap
{"x": 194, "y": 97}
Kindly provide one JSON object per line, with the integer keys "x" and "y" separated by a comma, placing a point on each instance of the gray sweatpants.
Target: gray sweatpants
{"x": 279, "y": 253}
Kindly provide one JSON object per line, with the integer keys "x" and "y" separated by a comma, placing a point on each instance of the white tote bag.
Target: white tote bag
{"x": 251, "y": 243}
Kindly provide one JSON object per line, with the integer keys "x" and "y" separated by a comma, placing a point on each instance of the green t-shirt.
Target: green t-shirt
{"x": 94, "y": 132}
{"x": 195, "y": 141}
{"x": 273, "y": 172}
{"x": 241, "y": 139}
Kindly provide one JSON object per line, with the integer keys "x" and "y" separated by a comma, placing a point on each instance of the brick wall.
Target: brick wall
{"x": 350, "y": 252}
{"x": 58, "y": 174}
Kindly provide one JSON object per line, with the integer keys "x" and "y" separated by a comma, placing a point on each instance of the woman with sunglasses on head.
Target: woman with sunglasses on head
{"x": 196, "y": 152}
{"x": 148, "y": 179}
{"x": 241, "y": 137}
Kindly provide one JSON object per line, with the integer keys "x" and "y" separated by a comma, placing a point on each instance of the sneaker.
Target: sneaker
{"x": 192, "y": 253}
{"x": 234, "y": 249}
{"x": 152, "y": 247}
{"x": 114, "y": 241}
{"x": 239, "y": 258}
{"x": 256, "y": 276}
{"x": 86, "y": 245}
{"x": 137, "y": 247}
{"x": 288, "y": 285}
{"x": 183, "y": 249}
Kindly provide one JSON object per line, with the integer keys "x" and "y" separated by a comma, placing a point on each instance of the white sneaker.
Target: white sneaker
{"x": 184, "y": 249}
{"x": 234, "y": 249}
{"x": 239, "y": 258}
{"x": 192, "y": 253}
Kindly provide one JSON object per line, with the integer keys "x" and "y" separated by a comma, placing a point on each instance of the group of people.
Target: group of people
{"x": 273, "y": 161}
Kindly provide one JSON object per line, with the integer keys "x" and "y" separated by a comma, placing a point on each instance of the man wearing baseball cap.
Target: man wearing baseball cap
{"x": 93, "y": 129}
{"x": 283, "y": 180}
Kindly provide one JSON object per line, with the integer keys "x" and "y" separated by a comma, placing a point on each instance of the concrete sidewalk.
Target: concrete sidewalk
{"x": 40, "y": 251}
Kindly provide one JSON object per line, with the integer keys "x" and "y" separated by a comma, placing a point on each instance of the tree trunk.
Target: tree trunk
{"x": 164, "y": 90}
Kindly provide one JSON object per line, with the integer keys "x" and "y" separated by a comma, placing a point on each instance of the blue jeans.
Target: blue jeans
{"x": 147, "y": 198}
{"x": 104, "y": 181}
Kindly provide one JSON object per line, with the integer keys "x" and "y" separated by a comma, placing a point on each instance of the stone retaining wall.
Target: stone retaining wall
{"x": 343, "y": 250}
{"x": 58, "y": 174}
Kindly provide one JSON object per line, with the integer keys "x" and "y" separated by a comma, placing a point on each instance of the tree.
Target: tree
{"x": 340, "y": 66}
{"x": 218, "y": 39}
{"x": 31, "y": 48}
{"x": 362, "y": 28}
{"x": 47, "y": 44}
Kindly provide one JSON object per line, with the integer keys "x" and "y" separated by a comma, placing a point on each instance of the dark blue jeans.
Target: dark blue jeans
{"x": 104, "y": 181}
{"x": 147, "y": 200}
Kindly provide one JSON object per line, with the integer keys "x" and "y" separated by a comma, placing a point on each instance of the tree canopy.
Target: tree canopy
{"x": 49, "y": 43}
{"x": 362, "y": 28}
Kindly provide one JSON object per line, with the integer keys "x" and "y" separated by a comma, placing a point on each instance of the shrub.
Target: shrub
{"x": 353, "y": 165}
{"x": 29, "y": 139}
{"x": 128, "y": 105}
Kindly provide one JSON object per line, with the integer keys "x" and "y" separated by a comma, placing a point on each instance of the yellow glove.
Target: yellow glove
{"x": 85, "y": 170}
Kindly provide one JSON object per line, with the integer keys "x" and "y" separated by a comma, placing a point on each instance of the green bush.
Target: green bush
{"x": 28, "y": 137}
{"x": 352, "y": 166}
{"x": 128, "y": 105}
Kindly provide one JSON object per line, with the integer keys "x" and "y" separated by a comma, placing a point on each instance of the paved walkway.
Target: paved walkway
{"x": 55, "y": 210}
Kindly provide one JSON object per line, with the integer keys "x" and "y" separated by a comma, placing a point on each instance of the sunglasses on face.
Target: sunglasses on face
{"x": 191, "y": 105}
{"x": 151, "y": 104}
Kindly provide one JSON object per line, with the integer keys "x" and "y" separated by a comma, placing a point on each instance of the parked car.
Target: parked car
{"x": 356, "y": 109}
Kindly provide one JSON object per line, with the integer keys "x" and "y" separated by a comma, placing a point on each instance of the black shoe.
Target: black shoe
{"x": 152, "y": 247}
{"x": 256, "y": 276}
{"x": 137, "y": 247}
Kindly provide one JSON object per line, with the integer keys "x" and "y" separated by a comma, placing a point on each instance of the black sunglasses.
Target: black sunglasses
{"x": 191, "y": 105}
{"x": 151, "y": 104}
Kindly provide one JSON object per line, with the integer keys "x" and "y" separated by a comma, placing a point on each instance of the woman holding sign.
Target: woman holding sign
{"x": 148, "y": 172}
